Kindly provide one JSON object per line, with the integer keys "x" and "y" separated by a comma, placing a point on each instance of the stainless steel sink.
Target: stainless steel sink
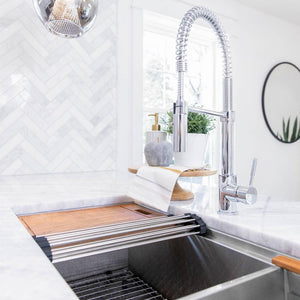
{"x": 217, "y": 266}
{"x": 183, "y": 266}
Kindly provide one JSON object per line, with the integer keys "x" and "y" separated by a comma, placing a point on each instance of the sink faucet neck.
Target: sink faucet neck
{"x": 229, "y": 191}
{"x": 180, "y": 110}
{"x": 183, "y": 34}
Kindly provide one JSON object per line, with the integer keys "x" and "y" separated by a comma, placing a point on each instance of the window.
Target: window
{"x": 202, "y": 81}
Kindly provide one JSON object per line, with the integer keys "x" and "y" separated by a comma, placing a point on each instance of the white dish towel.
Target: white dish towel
{"x": 153, "y": 186}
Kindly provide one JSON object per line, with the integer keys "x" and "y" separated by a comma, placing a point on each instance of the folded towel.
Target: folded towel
{"x": 153, "y": 186}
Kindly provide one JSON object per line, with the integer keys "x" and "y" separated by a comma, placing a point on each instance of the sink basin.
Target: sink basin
{"x": 194, "y": 267}
{"x": 148, "y": 255}
{"x": 183, "y": 266}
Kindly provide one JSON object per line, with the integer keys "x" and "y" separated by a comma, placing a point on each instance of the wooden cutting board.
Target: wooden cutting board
{"x": 54, "y": 222}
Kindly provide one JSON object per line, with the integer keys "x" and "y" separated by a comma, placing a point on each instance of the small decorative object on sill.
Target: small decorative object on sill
{"x": 199, "y": 126}
{"x": 155, "y": 135}
{"x": 195, "y": 154}
{"x": 158, "y": 152}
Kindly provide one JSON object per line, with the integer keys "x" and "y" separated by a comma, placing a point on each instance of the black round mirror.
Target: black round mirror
{"x": 281, "y": 102}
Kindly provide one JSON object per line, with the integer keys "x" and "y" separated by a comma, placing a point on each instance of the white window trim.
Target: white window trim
{"x": 129, "y": 87}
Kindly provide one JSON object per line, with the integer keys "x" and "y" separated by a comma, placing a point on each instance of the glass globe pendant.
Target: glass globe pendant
{"x": 67, "y": 18}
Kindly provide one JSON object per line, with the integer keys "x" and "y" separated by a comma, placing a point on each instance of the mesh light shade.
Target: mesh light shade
{"x": 67, "y": 18}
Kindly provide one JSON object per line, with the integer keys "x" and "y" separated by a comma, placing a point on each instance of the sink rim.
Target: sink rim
{"x": 244, "y": 247}
{"x": 229, "y": 284}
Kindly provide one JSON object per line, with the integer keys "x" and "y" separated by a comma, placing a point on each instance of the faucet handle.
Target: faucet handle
{"x": 244, "y": 194}
{"x": 253, "y": 169}
{"x": 248, "y": 194}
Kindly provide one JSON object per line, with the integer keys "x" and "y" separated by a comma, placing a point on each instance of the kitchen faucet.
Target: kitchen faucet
{"x": 229, "y": 192}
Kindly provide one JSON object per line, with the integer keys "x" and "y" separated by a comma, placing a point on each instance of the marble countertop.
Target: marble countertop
{"x": 272, "y": 223}
{"x": 26, "y": 273}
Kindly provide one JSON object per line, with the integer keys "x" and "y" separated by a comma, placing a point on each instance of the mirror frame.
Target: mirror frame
{"x": 263, "y": 99}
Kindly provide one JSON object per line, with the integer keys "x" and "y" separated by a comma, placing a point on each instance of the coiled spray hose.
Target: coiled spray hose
{"x": 183, "y": 34}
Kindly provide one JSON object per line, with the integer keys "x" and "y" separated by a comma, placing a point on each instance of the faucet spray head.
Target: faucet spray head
{"x": 179, "y": 126}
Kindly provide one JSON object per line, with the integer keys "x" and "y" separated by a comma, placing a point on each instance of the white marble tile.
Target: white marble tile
{"x": 37, "y": 193}
{"x": 51, "y": 90}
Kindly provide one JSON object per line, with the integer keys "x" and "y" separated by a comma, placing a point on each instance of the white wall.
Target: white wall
{"x": 258, "y": 41}
{"x": 263, "y": 42}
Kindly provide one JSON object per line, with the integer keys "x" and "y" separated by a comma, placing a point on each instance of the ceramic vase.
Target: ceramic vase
{"x": 195, "y": 154}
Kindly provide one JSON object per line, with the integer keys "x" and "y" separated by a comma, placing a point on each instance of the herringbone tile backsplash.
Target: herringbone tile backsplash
{"x": 57, "y": 96}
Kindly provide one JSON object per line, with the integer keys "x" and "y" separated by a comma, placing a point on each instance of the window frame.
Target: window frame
{"x": 130, "y": 71}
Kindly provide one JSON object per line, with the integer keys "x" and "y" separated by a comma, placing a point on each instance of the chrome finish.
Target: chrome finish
{"x": 128, "y": 241}
{"x": 253, "y": 170}
{"x": 240, "y": 245}
{"x": 81, "y": 235}
{"x": 293, "y": 285}
{"x": 101, "y": 235}
{"x": 229, "y": 191}
{"x": 119, "y": 284}
{"x": 183, "y": 34}
{"x": 209, "y": 112}
{"x": 67, "y": 18}
{"x": 181, "y": 267}
{"x": 118, "y": 226}
{"x": 261, "y": 285}
{"x": 180, "y": 115}
{"x": 216, "y": 266}
{"x": 86, "y": 242}
{"x": 286, "y": 285}
{"x": 180, "y": 120}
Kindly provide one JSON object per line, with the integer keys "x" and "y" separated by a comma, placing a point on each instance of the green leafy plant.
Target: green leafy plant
{"x": 197, "y": 123}
{"x": 285, "y": 136}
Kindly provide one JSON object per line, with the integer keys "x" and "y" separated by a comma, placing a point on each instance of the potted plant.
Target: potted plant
{"x": 285, "y": 136}
{"x": 199, "y": 126}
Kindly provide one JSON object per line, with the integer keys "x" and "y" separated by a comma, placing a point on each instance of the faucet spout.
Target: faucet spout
{"x": 179, "y": 108}
{"x": 180, "y": 126}
{"x": 228, "y": 189}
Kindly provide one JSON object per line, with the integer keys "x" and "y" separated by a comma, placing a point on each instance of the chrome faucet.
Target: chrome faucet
{"x": 229, "y": 192}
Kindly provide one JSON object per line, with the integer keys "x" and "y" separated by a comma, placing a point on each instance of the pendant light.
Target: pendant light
{"x": 67, "y": 18}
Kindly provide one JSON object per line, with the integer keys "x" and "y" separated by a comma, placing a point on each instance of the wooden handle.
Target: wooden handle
{"x": 287, "y": 263}
{"x": 187, "y": 173}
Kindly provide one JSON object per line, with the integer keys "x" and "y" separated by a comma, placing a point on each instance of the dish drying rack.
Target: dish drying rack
{"x": 85, "y": 242}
